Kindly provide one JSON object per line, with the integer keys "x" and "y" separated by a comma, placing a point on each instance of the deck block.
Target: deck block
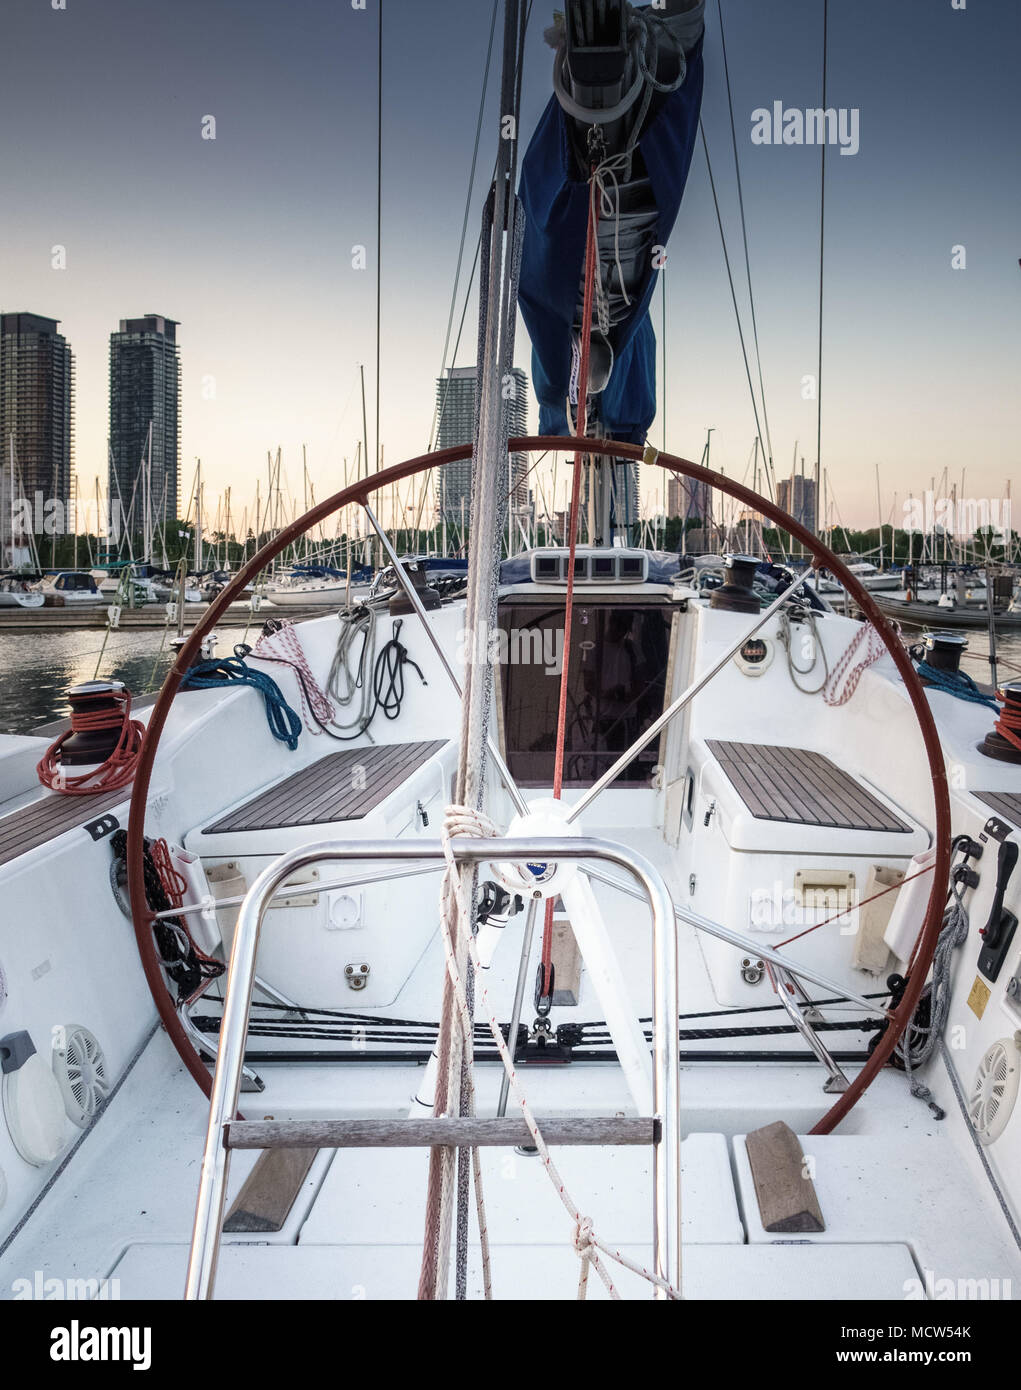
{"x": 785, "y": 1192}
{"x": 269, "y": 1192}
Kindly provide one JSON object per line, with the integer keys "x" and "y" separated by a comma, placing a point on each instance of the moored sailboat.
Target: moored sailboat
{"x": 576, "y": 869}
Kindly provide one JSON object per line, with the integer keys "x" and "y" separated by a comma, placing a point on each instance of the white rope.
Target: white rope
{"x": 348, "y": 680}
{"x": 919, "y": 1041}
{"x": 610, "y": 207}
{"x": 836, "y": 686}
{"x": 461, "y": 820}
{"x": 785, "y": 636}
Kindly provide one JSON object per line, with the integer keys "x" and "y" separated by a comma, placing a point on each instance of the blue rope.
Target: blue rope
{"x": 957, "y": 683}
{"x": 284, "y": 723}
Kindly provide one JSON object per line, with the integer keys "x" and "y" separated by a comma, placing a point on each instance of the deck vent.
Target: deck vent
{"x": 592, "y": 565}
{"x": 79, "y": 1064}
{"x": 994, "y": 1090}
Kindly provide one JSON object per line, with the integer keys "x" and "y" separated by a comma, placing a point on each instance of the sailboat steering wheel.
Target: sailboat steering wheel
{"x": 359, "y": 492}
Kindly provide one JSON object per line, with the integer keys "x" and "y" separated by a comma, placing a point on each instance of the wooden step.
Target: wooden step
{"x": 269, "y": 1191}
{"x": 473, "y": 1132}
{"x": 338, "y": 787}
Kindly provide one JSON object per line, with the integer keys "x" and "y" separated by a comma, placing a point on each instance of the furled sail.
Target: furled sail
{"x": 627, "y": 95}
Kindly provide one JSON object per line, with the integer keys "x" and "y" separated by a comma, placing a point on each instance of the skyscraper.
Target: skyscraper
{"x": 687, "y": 497}
{"x": 455, "y": 409}
{"x": 36, "y": 390}
{"x": 797, "y": 496}
{"x": 627, "y": 499}
{"x": 145, "y": 390}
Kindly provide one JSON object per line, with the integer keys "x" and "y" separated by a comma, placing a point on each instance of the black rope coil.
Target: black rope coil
{"x": 178, "y": 956}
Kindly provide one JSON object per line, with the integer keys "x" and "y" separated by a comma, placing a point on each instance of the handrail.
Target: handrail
{"x": 666, "y": 1154}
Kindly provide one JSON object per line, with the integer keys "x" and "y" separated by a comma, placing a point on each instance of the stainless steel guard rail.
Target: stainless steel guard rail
{"x": 666, "y": 1153}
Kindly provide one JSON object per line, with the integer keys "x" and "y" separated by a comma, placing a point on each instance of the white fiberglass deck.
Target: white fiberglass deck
{"x": 355, "y": 1230}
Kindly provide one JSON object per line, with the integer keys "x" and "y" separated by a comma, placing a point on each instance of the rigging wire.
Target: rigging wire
{"x": 747, "y": 259}
{"x": 822, "y": 249}
{"x": 379, "y": 220}
{"x": 438, "y": 413}
{"x": 733, "y": 296}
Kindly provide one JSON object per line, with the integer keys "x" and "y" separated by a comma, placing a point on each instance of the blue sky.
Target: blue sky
{"x": 246, "y": 240}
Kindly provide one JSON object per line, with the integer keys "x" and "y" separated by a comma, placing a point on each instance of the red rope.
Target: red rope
{"x": 572, "y": 541}
{"x": 175, "y": 885}
{"x": 1008, "y": 726}
{"x": 119, "y": 768}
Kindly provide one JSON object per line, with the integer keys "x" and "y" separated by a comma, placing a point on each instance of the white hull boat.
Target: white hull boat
{"x": 20, "y": 593}
{"x": 558, "y": 933}
{"x": 71, "y": 588}
{"x": 314, "y": 594}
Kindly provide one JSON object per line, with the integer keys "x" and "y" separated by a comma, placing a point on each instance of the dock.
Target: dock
{"x": 151, "y": 617}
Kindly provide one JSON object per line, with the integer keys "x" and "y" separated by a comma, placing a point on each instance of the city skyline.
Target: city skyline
{"x": 247, "y": 229}
{"x": 456, "y": 401}
{"x": 36, "y": 413}
{"x": 145, "y": 420}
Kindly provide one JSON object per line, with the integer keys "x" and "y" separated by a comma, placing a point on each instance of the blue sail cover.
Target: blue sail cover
{"x": 556, "y": 214}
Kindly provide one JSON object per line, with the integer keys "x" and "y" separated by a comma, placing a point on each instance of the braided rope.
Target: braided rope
{"x": 956, "y": 683}
{"x": 349, "y": 678}
{"x": 462, "y": 820}
{"x": 833, "y": 693}
{"x": 284, "y": 723}
{"x": 1008, "y": 726}
{"x": 284, "y": 645}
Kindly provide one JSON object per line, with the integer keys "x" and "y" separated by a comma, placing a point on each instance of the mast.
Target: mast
{"x": 147, "y": 520}
{"x": 365, "y": 448}
{"x": 822, "y": 265}
{"x": 879, "y": 511}
{"x": 198, "y": 514}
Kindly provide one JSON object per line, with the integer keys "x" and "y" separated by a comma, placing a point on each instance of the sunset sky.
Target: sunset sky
{"x": 247, "y": 239}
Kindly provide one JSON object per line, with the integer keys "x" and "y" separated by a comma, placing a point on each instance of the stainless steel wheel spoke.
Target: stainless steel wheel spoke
{"x": 684, "y": 699}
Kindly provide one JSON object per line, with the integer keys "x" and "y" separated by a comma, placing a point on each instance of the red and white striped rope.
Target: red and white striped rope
{"x": 284, "y": 645}
{"x": 832, "y": 693}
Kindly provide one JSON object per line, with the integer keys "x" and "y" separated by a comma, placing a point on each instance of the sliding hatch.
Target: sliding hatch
{"x": 616, "y": 686}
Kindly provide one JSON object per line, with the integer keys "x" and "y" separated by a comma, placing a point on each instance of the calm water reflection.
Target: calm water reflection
{"x": 36, "y": 668}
